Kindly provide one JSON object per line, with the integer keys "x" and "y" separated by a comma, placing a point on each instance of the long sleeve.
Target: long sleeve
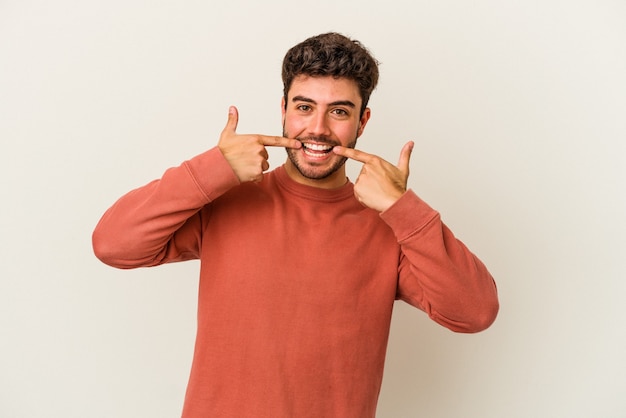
{"x": 438, "y": 273}
{"x": 160, "y": 222}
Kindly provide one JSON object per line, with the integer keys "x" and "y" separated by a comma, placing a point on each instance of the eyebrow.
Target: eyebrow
{"x": 336, "y": 103}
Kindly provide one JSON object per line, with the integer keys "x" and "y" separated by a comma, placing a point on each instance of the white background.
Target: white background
{"x": 518, "y": 110}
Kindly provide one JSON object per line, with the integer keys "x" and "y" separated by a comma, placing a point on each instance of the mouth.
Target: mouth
{"x": 316, "y": 149}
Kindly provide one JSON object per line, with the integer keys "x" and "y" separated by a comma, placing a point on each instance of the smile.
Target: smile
{"x": 316, "y": 150}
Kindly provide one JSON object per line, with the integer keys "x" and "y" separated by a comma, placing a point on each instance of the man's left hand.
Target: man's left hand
{"x": 380, "y": 183}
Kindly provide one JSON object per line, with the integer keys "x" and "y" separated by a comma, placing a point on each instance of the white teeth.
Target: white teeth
{"x": 313, "y": 154}
{"x": 317, "y": 147}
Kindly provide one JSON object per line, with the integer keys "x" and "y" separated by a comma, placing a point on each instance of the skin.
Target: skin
{"x": 320, "y": 112}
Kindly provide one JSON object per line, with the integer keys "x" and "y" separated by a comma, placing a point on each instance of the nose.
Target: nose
{"x": 318, "y": 125}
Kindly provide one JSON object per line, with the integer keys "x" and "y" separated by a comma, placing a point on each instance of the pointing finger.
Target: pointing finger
{"x": 280, "y": 141}
{"x": 405, "y": 156}
{"x": 353, "y": 154}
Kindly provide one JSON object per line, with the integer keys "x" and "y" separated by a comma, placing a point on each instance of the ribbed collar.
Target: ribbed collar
{"x": 309, "y": 192}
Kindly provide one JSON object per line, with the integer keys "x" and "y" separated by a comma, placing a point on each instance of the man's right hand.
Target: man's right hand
{"x": 246, "y": 154}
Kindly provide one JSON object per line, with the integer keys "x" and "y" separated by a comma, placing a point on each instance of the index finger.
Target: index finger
{"x": 279, "y": 141}
{"x": 353, "y": 154}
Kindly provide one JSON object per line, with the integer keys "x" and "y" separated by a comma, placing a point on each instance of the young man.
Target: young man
{"x": 299, "y": 267}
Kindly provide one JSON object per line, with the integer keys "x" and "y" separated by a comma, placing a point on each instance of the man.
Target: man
{"x": 299, "y": 267}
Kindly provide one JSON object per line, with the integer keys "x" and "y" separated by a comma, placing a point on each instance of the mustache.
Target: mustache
{"x": 318, "y": 140}
{"x": 321, "y": 139}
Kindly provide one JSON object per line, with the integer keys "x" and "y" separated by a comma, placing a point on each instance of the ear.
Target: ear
{"x": 283, "y": 110}
{"x": 367, "y": 113}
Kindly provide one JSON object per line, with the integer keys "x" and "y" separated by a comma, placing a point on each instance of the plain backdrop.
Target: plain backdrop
{"x": 518, "y": 111}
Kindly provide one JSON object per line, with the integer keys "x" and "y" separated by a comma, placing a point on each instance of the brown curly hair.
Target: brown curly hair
{"x": 332, "y": 54}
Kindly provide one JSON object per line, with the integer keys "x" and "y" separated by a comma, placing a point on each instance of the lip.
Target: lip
{"x": 316, "y": 151}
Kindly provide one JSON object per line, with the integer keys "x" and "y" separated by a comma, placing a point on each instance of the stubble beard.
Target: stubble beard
{"x": 316, "y": 172}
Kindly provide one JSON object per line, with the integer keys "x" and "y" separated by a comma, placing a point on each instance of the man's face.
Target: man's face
{"x": 321, "y": 112}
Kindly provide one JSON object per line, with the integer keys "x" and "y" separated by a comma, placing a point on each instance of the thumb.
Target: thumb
{"x": 233, "y": 120}
{"x": 405, "y": 157}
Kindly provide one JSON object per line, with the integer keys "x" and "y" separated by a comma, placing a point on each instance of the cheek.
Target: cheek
{"x": 293, "y": 126}
{"x": 348, "y": 132}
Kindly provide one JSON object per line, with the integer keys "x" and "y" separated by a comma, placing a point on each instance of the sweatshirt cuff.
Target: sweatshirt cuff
{"x": 212, "y": 173}
{"x": 408, "y": 215}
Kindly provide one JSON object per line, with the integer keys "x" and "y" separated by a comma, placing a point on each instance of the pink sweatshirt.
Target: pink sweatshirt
{"x": 297, "y": 284}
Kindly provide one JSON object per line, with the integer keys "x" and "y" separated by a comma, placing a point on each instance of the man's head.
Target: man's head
{"x": 334, "y": 55}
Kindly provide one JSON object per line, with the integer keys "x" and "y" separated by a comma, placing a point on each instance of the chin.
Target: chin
{"x": 315, "y": 171}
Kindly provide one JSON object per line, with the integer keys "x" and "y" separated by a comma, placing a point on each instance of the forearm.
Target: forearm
{"x": 158, "y": 222}
{"x": 438, "y": 273}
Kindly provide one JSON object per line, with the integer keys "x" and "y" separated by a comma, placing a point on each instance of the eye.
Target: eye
{"x": 340, "y": 112}
{"x": 304, "y": 107}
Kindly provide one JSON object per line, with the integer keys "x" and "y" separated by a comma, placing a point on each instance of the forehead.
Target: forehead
{"x": 325, "y": 89}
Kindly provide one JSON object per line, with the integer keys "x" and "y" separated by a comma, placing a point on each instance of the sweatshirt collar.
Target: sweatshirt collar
{"x": 313, "y": 193}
